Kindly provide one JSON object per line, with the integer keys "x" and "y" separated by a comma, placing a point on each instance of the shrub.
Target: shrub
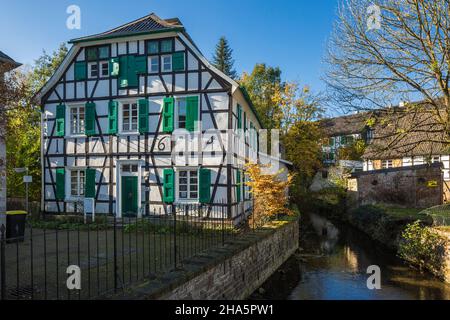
{"x": 422, "y": 247}
{"x": 269, "y": 194}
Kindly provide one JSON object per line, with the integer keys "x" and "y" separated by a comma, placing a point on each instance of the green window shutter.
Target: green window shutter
{"x": 178, "y": 61}
{"x": 140, "y": 64}
{"x": 114, "y": 67}
{"x": 205, "y": 185}
{"x": 113, "y": 108}
{"x": 89, "y": 118}
{"x": 143, "y": 115}
{"x": 132, "y": 75}
{"x": 168, "y": 116}
{"x": 192, "y": 113}
{"x": 80, "y": 70}
{"x": 169, "y": 185}
{"x": 239, "y": 117}
{"x": 89, "y": 185}
{"x": 60, "y": 183}
{"x": 123, "y": 72}
{"x": 60, "y": 120}
{"x": 245, "y": 121}
{"x": 238, "y": 185}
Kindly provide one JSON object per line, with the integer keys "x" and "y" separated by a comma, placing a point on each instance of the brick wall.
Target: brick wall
{"x": 243, "y": 273}
{"x": 415, "y": 186}
{"x": 232, "y": 272}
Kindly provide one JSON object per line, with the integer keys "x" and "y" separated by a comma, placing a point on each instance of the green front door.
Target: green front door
{"x": 129, "y": 196}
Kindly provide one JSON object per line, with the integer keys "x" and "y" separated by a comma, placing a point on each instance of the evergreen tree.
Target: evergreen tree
{"x": 223, "y": 59}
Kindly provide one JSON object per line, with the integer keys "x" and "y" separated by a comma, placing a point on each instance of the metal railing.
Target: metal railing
{"x": 111, "y": 254}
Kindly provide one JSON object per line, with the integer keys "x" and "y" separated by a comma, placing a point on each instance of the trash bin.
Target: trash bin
{"x": 15, "y": 226}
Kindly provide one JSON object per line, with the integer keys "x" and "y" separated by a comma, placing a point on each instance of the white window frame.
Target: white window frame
{"x": 130, "y": 132}
{"x": 162, "y": 63}
{"x": 90, "y": 64}
{"x": 68, "y": 120}
{"x": 386, "y": 164}
{"x": 69, "y": 195}
{"x": 100, "y": 71}
{"x": 150, "y": 59}
{"x": 176, "y": 111}
{"x": 433, "y": 159}
{"x": 177, "y": 185}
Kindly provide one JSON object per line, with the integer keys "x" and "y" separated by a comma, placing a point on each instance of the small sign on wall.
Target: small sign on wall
{"x": 432, "y": 184}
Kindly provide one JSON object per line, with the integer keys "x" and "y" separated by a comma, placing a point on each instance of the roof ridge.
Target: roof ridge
{"x": 128, "y": 23}
{"x": 150, "y": 22}
{"x": 159, "y": 20}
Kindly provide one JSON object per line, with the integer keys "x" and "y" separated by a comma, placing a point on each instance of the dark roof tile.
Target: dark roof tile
{"x": 148, "y": 23}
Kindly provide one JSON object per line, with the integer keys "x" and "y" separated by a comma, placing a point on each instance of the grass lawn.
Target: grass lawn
{"x": 412, "y": 213}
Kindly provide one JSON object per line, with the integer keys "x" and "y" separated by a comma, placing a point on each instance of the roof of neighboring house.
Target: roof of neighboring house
{"x": 343, "y": 125}
{"x": 149, "y": 24}
{"x": 4, "y": 58}
{"x": 404, "y": 132}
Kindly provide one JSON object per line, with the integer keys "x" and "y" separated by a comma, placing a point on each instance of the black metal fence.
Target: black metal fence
{"x": 111, "y": 254}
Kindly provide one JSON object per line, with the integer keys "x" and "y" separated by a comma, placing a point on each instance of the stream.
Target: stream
{"x": 332, "y": 265}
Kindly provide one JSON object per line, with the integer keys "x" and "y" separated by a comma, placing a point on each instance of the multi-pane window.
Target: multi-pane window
{"x": 386, "y": 164}
{"x": 153, "y": 47}
{"x": 181, "y": 103}
{"x": 77, "y": 120}
{"x": 94, "y": 53}
{"x": 103, "y": 52}
{"x": 77, "y": 183}
{"x": 153, "y": 64}
{"x": 93, "y": 70}
{"x": 104, "y": 68}
{"x": 129, "y": 168}
{"x": 129, "y": 117}
{"x": 166, "y": 63}
{"x": 188, "y": 185}
{"x": 369, "y": 135}
{"x": 166, "y": 45}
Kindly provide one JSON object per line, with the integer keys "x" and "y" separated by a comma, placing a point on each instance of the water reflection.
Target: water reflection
{"x": 334, "y": 261}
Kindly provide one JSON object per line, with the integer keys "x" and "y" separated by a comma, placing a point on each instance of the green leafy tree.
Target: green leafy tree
{"x": 223, "y": 58}
{"x": 353, "y": 151}
{"x": 263, "y": 84}
{"x": 23, "y": 126}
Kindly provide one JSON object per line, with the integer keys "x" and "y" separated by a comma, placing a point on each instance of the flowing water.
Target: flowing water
{"x": 332, "y": 264}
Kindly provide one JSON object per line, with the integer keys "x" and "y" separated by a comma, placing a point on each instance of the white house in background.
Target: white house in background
{"x": 110, "y": 117}
{"x": 7, "y": 64}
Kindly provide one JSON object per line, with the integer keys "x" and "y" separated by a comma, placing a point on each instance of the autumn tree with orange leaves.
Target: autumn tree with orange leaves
{"x": 269, "y": 193}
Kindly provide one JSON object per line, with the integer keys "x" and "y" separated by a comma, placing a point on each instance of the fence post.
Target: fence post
{"x": 115, "y": 253}
{"x": 3, "y": 263}
{"x": 222, "y": 212}
{"x": 174, "y": 210}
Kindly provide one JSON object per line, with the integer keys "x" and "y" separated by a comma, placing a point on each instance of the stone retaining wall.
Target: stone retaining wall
{"x": 231, "y": 272}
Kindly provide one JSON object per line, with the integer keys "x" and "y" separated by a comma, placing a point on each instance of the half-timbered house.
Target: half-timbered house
{"x": 115, "y": 111}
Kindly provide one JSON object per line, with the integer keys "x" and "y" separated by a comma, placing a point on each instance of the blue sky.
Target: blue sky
{"x": 290, "y": 34}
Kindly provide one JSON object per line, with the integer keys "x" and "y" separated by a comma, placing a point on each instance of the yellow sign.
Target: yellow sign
{"x": 432, "y": 184}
